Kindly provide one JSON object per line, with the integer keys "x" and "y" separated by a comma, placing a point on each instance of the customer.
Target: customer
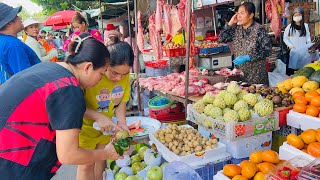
{"x": 105, "y": 100}
{"x": 113, "y": 37}
{"x": 297, "y": 38}
{"x": 43, "y": 50}
{"x": 43, "y": 34}
{"x": 110, "y": 27}
{"x": 251, "y": 44}
{"x": 15, "y": 56}
{"x": 50, "y": 40}
{"x": 80, "y": 26}
{"x": 43, "y": 112}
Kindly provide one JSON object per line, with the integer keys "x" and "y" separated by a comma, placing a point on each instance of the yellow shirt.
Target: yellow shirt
{"x": 105, "y": 96}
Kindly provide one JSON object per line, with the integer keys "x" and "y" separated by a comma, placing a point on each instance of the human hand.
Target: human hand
{"x": 234, "y": 20}
{"x": 111, "y": 153}
{"x": 123, "y": 125}
{"x": 241, "y": 59}
{"x": 106, "y": 124}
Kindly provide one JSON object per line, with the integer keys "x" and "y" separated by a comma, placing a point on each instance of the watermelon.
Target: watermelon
{"x": 315, "y": 76}
{"x": 305, "y": 71}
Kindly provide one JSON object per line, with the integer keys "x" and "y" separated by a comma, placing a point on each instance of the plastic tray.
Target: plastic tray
{"x": 299, "y": 120}
{"x": 310, "y": 172}
{"x": 195, "y": 160}
{"x": 235, "y": 130}
{"x": 287, "y": 152}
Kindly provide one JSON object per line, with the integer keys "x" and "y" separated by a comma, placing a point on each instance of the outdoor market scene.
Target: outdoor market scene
{"x": 160, "y": 90}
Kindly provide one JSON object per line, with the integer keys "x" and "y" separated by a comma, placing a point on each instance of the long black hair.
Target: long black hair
{"x": 121, "y": 53}
{"x": 90, "y": 50}
{"x": 294, "y": 27}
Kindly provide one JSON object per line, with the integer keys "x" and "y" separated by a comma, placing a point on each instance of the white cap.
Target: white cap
{"x": 30, "y": 21}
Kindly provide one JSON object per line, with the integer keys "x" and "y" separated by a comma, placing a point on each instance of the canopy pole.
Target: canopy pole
{"x": 101, "y": 17}
{"x": 129, "y": 22}
{"x": 214, "y": 20}
{"x": 137, "y": 53}
{"x": 189, "y": 4}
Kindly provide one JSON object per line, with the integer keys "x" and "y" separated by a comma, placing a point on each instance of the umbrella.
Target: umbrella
{"x": 60, "y": 18}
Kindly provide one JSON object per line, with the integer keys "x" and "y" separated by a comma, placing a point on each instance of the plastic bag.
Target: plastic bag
{"x": 278, "y": 74}
{"x": 177, "y": 170}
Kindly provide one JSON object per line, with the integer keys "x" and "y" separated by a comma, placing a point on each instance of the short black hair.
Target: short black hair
{"x": 43, "y": 31}
{"x": 121, "y": 53}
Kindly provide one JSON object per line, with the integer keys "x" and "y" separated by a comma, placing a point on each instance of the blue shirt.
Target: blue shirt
{"x": 15, "y": 56}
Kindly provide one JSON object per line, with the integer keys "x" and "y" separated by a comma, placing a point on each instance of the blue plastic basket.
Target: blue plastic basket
{"x": 207, "y": 172}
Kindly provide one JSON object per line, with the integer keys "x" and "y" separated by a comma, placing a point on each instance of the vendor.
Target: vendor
{"x": 251, "y": 44}
{"x": 297, "y": 38}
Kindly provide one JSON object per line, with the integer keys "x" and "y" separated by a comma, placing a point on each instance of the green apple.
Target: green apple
{"x": 134, "y": 178}
{"x": 154, "y": 173}
{"x": 135, "y": 158}
{"x": 141, "y": 151}
{"x": 121, "y": 135}
{"x": 116, "y": 168}
{"x": 121, "y": 176}
{"x": 163, "y": 165}
{"x": 137, "y": 166}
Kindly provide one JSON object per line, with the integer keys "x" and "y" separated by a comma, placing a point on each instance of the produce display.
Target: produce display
{"x": 171, "y": 45}
{"x": 259, "y": 164}
{"x": 208, "y": 44}
{"x": 308, "y": 142}
{"x": 184, "y": 140}
{"x": 122, "y": 142}
{"x": 141, "y": 164}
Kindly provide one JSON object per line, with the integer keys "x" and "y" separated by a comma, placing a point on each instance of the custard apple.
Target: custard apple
{"x": 215, "y": 112}
{"x": 220, "y": 118}
{"x": 264, "y": 107}
{"x": 244, "y": 114}
{"x": 208, "y": 98}
{"x": 221, "y": 94}
{"x": 231, "y": 116}
{"x": 234, "y": 88}
{"x": 226, "y": 110}
{"x": 199, "y": 107}
{"x": 240, "y": 104}
{"x": 230, "y": 99}
{"x": 241, "y": 94}
{"x": 219, "y": 102}
{"x": 251, "y": 99}
{"x": 208, "y": 123}
{"x": 207, "y": 109}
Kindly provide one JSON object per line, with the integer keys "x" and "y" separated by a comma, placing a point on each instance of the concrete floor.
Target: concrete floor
{"x": 66, "y": 172}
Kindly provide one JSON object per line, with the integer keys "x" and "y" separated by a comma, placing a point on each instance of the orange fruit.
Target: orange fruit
{"x": 301, "y": 100}
{"x": 243, "y": 163}
{"x": 239, "y": 177}
{"x": 318, "y": 136}
{"x": 297, "y": 94}
{"x": 270, "y": 156}
{"x": 309, "y": 136}
{"x": 231, "y": 170}
{"x": 314, "y": 149}
{"x": 256, "y": 157}
{"x": 318, "y": 130}
{"x": 295, "y": 141}
{"x": 266, "y": 167}
{"x": 249, "y": 170}
{"x": 259, "y": 176}
{"x": 310, "y": 95}
{"x": 315, "y": 101}
{"x": 312, "y": 111}
{"x": 305, "y": 150}
{"x": 300, "y": 108}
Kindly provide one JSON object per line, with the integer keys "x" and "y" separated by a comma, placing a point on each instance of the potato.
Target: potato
{"x": 180, "y": 144}
{"x": 188, "y": 153}
{"x": 176, "y": 151}
{"x": 189, "y": 137}
{"x": 214, "y": 141}
{"x": 206, "y": 139}
{"x": 198, "y": 149}
{"x": 169, "y": 131}
{"x": 183, "y": 153}
{"x": 168, "y": 139}
{"x": 190, "y": 144}
{"x": 195, "y": 138}
{"x": 208, "y": 143}
{"x": 166, "y": 144}
{"x": 187, "y": 148}
{"x": 162, "y": 141}
{"x": 170, "y": 144}
{"x": 195, "y": 144}
{"x": 208, "y": 148}
{"x": 175, "y": 143}
{"x": 214, "y": 146}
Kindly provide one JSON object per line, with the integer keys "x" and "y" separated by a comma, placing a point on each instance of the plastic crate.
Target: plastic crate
{"x": 281, "y": 114}
{"x": 208, "y": 171}
{"x": 310, "y": 172}
{"x": 299, "y": 120}
{"x": 156, "y": 63}
{"x": 235, "y": 130}
{"x": 168, "y": 117}
{"x": 242, "y": 148}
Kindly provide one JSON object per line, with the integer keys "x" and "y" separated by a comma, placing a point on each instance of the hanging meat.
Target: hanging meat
{"x": 175, "y": 22}
{"x": 140, "y": 38}
{"x": 166, "y": 18}
{"x": 271, "y": 8}
{"x": 155, "y": 38}
{"x": 159, "y": 15}
{"x": 182, "y": 6}
{"x": 192, "y": 39}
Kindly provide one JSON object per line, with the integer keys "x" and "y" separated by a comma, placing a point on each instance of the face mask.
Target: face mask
{"x": 297, "y": 18}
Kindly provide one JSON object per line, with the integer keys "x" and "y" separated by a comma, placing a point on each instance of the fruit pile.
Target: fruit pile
{"x": 143, "y": 163}
{"x": 171, "y": 45}
{"x": 232, "y": 105}
{"x": 279, "y": 98}
{"x": 287, "y": 172}
{"x": 307, "y": 103}
{"x": 308, "y": 142}
{"x": 183, "y": 140}
{"x": 208, "y": 44}
{"x": 259, "y": 164}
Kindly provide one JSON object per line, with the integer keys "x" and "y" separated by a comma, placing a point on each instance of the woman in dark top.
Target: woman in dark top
{"x": 251, "y": 44}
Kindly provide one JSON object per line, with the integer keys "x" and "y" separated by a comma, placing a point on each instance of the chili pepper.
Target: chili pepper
{"x": 284, "y": 174}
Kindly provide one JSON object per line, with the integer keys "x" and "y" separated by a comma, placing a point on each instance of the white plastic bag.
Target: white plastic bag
{"x": 278, "y": 74}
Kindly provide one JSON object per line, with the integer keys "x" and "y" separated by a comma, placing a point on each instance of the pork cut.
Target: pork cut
{"x": 175, "y": 22}
{"x": 140, "y": 38}
{"x": 167, "y": 18}
{"x": 159, "y": 15}
{"x": 182, "y": 6}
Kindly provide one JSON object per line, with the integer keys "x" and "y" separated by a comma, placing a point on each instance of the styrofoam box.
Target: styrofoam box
{"x": 235, "y": 130}
{"x": 195, "y": 160}
{"x": 302, "y": 121}
{"x": 242, "y": 148}
{"x": 287, "y": 152}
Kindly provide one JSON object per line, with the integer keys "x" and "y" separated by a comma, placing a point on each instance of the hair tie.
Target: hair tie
{"x": 79, "y": 40}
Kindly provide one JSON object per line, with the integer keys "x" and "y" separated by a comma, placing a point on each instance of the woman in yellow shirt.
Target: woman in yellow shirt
{"x": 103, "y": 101}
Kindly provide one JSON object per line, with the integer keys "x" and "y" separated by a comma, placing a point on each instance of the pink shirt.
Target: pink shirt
{"x": 95, "y": 33}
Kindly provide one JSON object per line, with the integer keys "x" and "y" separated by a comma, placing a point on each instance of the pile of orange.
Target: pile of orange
{"x": 308, "y": 142}
{"x": 259, "y": 164}
{"x": 307, "y": 103}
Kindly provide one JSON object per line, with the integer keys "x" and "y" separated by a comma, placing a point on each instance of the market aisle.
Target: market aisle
{"x": 66, "y": 172}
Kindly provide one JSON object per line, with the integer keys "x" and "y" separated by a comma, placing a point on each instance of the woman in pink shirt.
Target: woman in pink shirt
{"x": 80, "y": 26}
